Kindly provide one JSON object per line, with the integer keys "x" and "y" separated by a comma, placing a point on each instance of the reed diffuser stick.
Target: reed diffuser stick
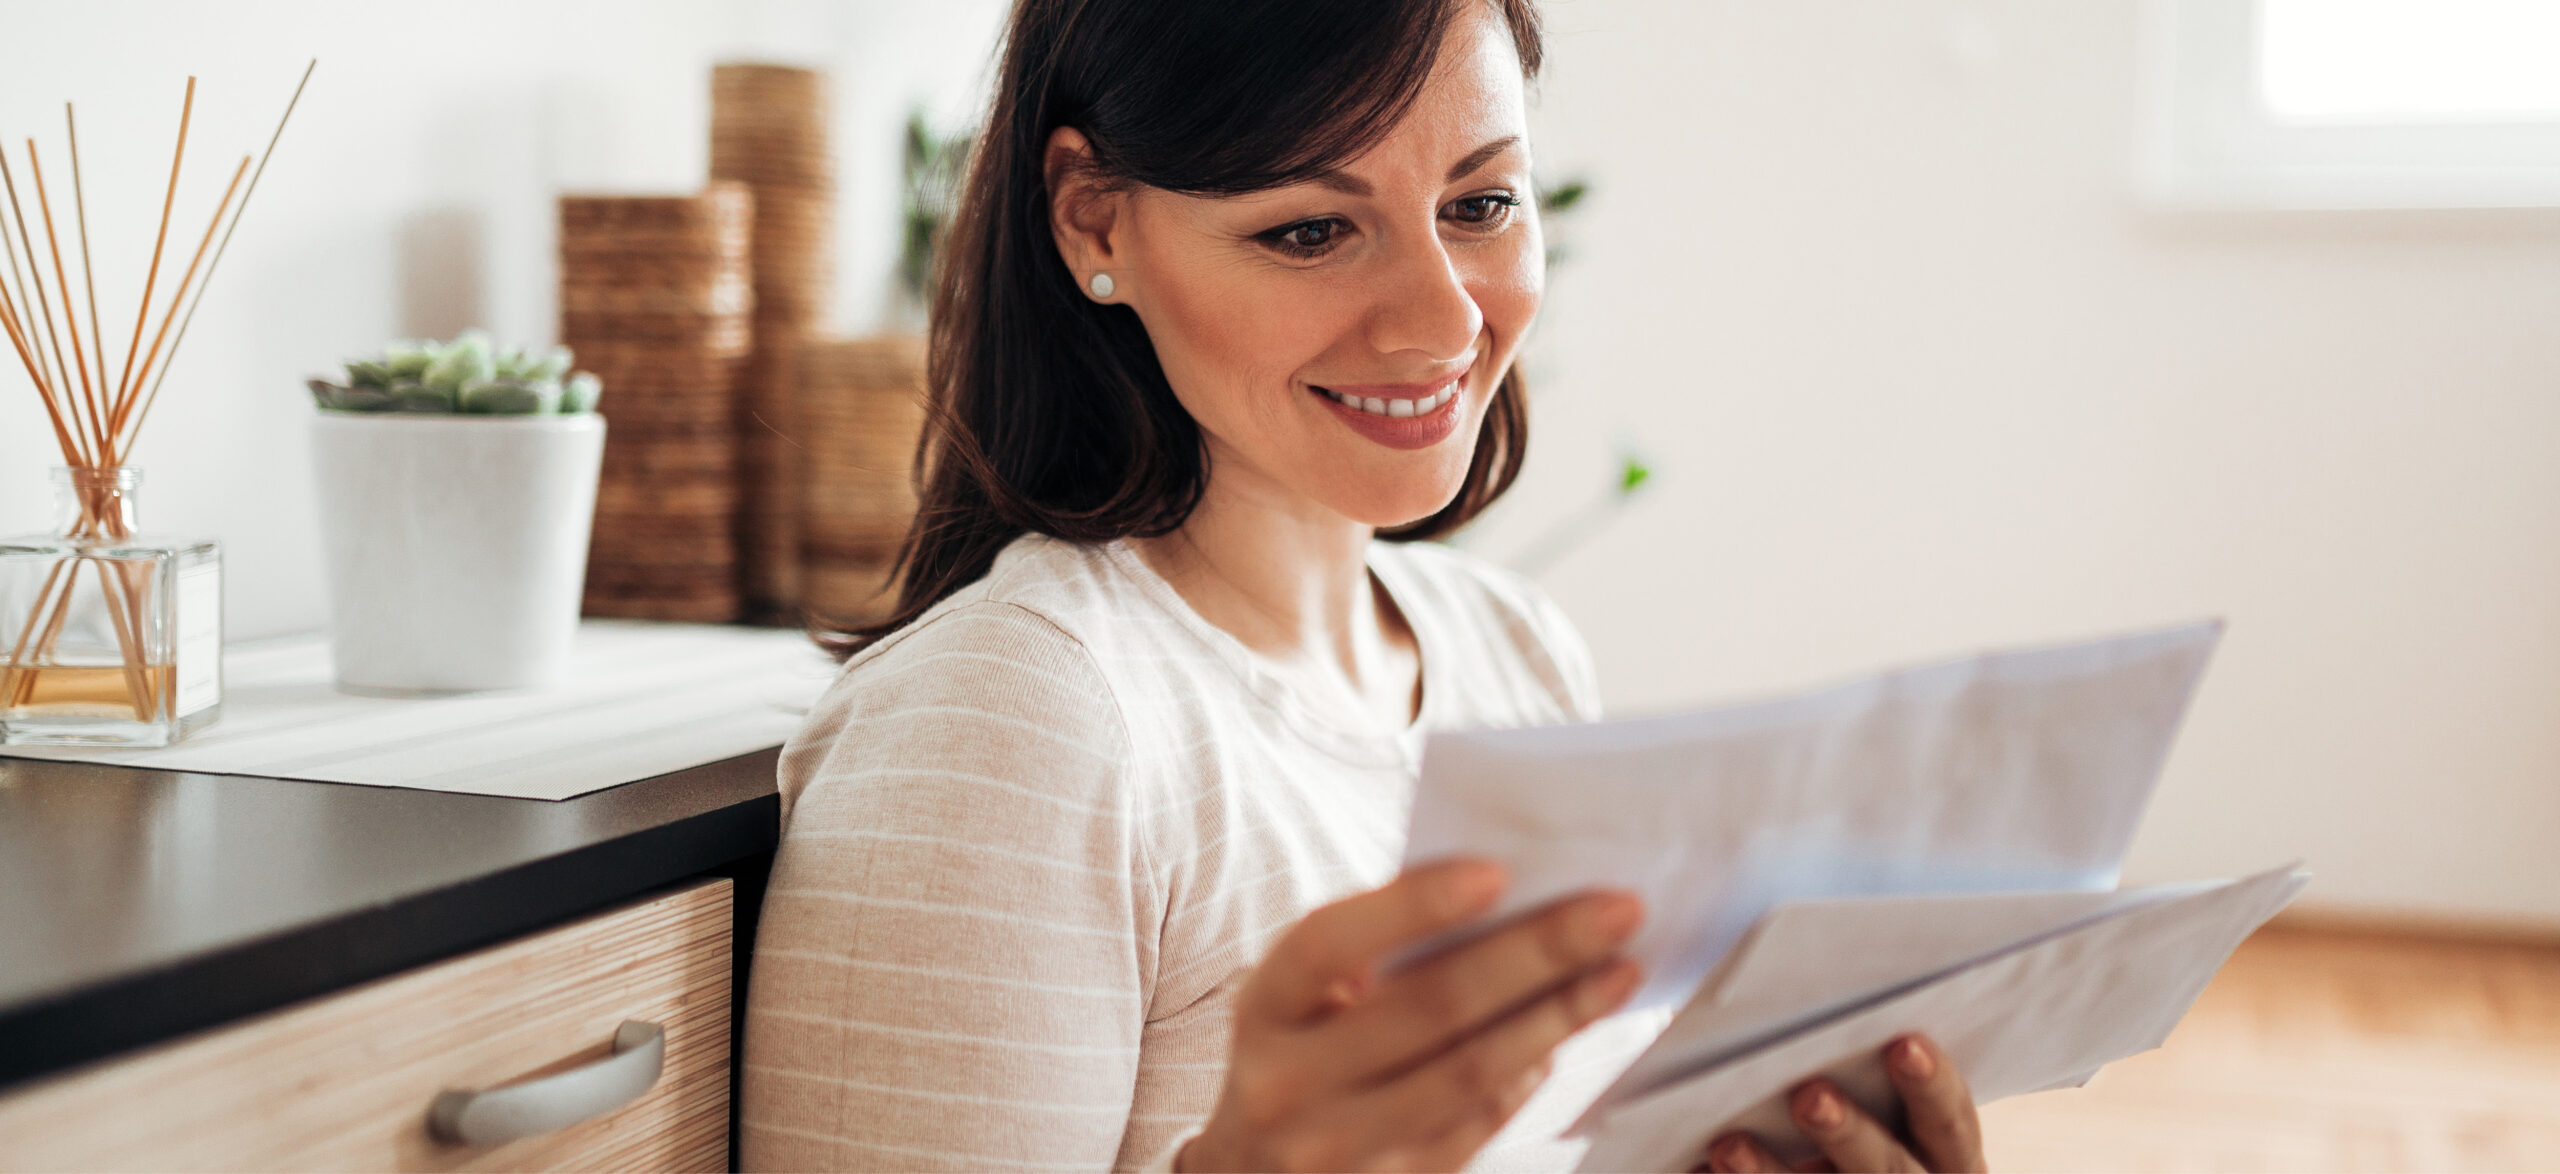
{"x": 9, "y": 244}
{"x": 12, "y": 320}
{"x": 61, "y": 605}
{"x": 10, "y": 681}
{"x": 168, "y": 203}
{"x": 55, "y": 595}
{"x": 88, "y": 270}
{"x": 52, "y": 410}
{"x": 62, "y": 282}
{"x": 225, "y": 246}
{"x": 62, "y": 374}
{"x": 117, "y": 586}
{"x": 124, "y": 613}
{"x": 123, "y": 408}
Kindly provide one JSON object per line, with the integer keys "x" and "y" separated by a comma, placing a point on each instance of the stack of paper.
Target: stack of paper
{"x": 1934, "y": 850}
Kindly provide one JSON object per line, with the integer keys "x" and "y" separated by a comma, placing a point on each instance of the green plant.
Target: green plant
{"x": 1633, "y": 471}
{"x": 1629, "y": 478}
{"x": 468, "y": 375}
{"x": 1554, "y": 204}
{"x": 932, "y": 168}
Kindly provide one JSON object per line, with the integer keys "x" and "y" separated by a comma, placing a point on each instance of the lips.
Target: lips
{"x": 1395, "y": 407}
{"x": 1409, "y": 416}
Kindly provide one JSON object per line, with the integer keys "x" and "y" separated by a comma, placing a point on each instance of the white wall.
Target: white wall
{"x": 1867, "y": 279}
{"x": 413, "y": 194}
{"x": 1871, "y": 283}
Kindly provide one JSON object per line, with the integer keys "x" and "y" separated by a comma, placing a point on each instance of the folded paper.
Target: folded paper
{"x": 2044, "y": 1013}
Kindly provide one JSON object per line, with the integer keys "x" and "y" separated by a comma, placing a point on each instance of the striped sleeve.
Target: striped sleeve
{"x": 954, "y": 952}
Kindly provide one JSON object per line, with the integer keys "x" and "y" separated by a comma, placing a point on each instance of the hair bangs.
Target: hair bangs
{"x": 1247, "y": 95}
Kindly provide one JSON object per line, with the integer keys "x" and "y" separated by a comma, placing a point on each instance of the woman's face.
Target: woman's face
{"x": 1338, "y": 340}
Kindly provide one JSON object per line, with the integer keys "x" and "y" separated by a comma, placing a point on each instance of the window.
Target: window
{"x": 2354, "y": 103}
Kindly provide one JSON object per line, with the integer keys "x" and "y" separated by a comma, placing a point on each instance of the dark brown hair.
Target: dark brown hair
{"x": 1049, "y": 412}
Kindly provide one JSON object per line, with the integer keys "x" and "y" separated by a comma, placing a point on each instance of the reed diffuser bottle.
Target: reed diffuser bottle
{"x": 106, "y": 637}
{"x": 114, "y": 637}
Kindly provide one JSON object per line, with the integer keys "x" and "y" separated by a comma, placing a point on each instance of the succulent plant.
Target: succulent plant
{"x": 469, "y": 375}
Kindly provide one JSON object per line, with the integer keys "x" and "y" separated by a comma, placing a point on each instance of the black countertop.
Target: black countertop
{"x": 137, "y": 905}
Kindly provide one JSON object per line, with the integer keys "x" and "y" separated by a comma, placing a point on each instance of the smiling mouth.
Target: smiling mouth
{"x": 1395, "y": 409}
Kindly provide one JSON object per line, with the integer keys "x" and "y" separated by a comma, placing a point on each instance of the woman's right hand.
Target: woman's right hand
{"x": 1336, "y": 1067}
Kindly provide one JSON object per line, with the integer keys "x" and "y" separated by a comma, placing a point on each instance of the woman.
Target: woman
{"x": 1089, "y": 856}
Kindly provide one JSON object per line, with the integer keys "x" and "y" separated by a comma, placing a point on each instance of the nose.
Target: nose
{"x": 1423, "y": 304}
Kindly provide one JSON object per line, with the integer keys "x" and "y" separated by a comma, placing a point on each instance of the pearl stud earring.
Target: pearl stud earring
{"x": 1101, "y": 285}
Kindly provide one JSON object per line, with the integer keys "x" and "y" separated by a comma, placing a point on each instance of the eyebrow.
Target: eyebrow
{"x": 1353, "y": 185}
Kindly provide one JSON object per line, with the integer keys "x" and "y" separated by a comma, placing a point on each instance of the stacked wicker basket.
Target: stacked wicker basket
{"x": 655, "y": 297}
{"x": 862, "y": 408}
{"x": 752, "y": 469}
{"x": 769, "y": 131}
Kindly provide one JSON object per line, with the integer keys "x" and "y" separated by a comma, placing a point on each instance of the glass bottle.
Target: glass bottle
{"x": 107, "y": 637}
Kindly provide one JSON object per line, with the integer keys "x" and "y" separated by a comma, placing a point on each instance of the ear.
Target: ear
{"x": 1084, "y": 213}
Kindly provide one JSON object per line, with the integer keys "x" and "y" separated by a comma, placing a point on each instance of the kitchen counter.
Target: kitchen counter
{"x": 140, "y": 905}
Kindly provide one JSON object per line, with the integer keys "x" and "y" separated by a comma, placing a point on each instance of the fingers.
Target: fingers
{"x": 1945, "y": 1129}
{"x": 1339, "y": 943}
{"x": 1944, "y": 1124}
{"x": 1454, "y": 1149}
{"x": 1848, "y": 1136}
{"x": 1416, "y": 1014}
{"x": 1741, "y": 1153}
{"x": 1476, "y": 1086}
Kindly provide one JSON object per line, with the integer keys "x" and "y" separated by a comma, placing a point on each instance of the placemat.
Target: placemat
{"x": 643, "y": 699}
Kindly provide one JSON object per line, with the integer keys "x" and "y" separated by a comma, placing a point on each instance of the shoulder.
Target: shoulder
{"x": 996, "y": 680}
{"x": 1038, "y": 621}
{"x": 1048, "y": 592}
{"x": 1488, "y": 607}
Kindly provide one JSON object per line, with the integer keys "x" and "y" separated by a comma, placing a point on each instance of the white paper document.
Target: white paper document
{"x": 1997, "y": 773}
{"x": 1807, "y": 960}
{"x": 2044, "y": 1013}
{"x": 1934, "y": 849}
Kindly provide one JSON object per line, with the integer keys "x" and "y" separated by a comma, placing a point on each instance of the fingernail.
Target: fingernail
{"x": 1604, "y": 922}
{"x": 1913, "y": 1060}
{"x": 1608, "y": 988}
{"x": 1525, "y": 1085}
{"x": 1472, "y": 887}
{"x": 1820, "y": 1109}
{"x": 1346, "y": 991}
{"x": 1728, "y": 1153}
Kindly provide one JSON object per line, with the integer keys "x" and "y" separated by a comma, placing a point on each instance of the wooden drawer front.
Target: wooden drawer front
{"x": 343, "y": 1082}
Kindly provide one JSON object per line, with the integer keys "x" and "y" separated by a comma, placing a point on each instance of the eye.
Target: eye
{"x": 1306, "y": 238}
{"x": 1489, "y": 210}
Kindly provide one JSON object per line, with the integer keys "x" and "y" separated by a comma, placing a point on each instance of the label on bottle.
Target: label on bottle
{"x": 199, "y": 637}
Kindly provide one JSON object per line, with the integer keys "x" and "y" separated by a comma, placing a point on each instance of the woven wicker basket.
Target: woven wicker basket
{"x": 769, "y": 132}
{"x": 655, "y": 297}
{"x": 862, "y": 411}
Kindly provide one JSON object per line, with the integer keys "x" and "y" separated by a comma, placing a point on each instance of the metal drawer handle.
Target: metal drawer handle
{"x": 557, "y": 1101}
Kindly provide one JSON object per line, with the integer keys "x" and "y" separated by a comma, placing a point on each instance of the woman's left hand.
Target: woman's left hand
{"x": 1945, "y": 1134}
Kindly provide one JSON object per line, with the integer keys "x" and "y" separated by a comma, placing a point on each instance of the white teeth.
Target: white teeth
{"x": 1397, "y": 409}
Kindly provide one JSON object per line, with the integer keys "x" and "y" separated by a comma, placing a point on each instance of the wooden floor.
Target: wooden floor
{"x": 2326, "y": 1050}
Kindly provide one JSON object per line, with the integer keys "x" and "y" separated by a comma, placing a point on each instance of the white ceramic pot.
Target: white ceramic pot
{"x": 456, "y": 546}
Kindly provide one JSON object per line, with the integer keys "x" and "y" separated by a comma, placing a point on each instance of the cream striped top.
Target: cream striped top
{"x": 1033, "y": 841}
